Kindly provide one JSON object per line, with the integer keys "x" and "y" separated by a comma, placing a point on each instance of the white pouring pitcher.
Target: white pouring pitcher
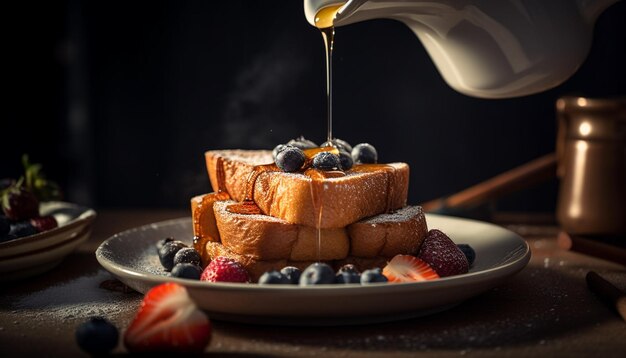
{"x": 489, "y": 48}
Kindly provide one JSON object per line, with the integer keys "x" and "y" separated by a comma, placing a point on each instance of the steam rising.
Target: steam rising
{"x": 255, "y": 113}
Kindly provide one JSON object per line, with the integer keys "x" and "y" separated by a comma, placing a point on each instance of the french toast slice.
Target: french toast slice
{"x": 364, "y": 191}
{"x": 264, "y": 237}
{"x": 262, "y": 242}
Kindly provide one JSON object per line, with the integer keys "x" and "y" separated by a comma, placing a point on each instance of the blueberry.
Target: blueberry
{"x": 364, "y": 153}
{"x": 372, "y": 276}
{"x": 292, "y": 273}
{"x": 302, "y": 143}
{"x": 5, "y": 226}
{"x": 162, "y": 242}
{"x": 348, "y": 268}
{"x": 22, "y": 229}
{"x": 469, "y": 252}
{"x": 97, "y": 336}
{"x": 347, "y": 277}
{"x": 339, "y": 144}
{"x": 7, "y": 237}
{"x": 326, "y": 161}
{"x": 290, "y": 159}
{"x": 187, "y": 270}
{"x": 345, "y": 159}
{"x": 187, "y": 255}
{"x": 277, "y": 149}
{"x": 317, "y": 274}
{"x": 167, "y": 253}
{"x": 274, "y": 277}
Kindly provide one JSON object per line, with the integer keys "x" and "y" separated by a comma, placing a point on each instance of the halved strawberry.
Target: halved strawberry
{"x": 407, "y": 268}
{"x": 168, "y": 320}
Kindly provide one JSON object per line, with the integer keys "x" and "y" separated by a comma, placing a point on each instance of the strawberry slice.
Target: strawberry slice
{"x": 407, "y": 268}
{"x": 167, "y": 321}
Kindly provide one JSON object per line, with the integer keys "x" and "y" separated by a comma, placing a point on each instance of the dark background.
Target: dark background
{"x": 119, "y": 99}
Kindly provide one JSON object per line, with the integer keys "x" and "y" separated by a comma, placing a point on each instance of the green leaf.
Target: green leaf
{"x": 35, "y": 181}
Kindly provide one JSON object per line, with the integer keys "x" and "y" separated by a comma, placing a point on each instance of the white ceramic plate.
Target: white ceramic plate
{"x": 35, "y": 254}
{"x": 131, "y": 256}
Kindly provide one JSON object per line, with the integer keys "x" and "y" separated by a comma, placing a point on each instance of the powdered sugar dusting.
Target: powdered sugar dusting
{"x": 402, "y": 215}
{"x": 76, "y": 299}
{"x": 251, "y": 157}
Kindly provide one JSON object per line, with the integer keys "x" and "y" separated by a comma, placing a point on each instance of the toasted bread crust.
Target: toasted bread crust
{"x": 386, "y": 235}
{"x": 204, "y": 224}
{"x": 290, "y": 196}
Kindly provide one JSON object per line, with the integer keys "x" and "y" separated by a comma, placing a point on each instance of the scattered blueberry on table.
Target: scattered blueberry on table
{"x": 97, "y": 336}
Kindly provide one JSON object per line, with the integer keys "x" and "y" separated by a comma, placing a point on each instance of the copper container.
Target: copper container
{"x": 591, "y": 154}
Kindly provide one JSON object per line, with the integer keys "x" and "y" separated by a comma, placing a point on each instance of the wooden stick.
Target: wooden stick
{"x": 591, "y": 247}
{"x": 607, "y": 292}
{"x": 535, "y": 171}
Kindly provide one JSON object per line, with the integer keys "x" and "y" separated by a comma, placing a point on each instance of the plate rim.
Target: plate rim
{"x": 87, "y": 215}
{"x": 499, "y": 271}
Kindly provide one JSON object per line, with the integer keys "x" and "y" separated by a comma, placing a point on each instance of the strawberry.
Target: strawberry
{"x": 442, "y": 254}
{"x": 44, "y": 223}
{"x": 224, "y": 269}
{"x": 19, "y": 203}
{"x": 168, "y": 321}
{"x": 407, "y": 268}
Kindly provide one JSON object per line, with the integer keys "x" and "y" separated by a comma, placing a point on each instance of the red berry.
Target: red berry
{"x": 44, "y": 223}
{"x": 20, "y": 204}
{"x": 442, "y": 254}
{"x": 168, "y": 321}
{"x": 224, "y": 269}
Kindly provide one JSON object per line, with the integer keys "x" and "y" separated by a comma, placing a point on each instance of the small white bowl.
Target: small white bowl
{"x": 35, "y": 254}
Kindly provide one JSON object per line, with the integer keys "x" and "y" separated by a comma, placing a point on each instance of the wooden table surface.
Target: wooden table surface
{"x": 546, "y": 310}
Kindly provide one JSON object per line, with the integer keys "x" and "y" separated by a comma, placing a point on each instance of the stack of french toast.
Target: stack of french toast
{"x": 267, "y": 218}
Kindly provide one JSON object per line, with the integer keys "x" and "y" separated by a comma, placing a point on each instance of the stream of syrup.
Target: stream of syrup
{"x": 324, "y": 21}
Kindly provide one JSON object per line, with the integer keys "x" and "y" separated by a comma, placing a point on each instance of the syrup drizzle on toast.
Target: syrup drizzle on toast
{"x": 222, "y": 192}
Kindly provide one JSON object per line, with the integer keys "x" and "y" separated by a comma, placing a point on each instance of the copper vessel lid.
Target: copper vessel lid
{"x": 592, "y": 119}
